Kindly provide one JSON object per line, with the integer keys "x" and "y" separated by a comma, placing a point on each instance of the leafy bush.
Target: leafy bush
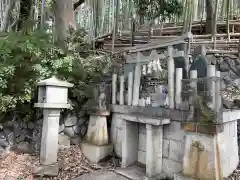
{"x": 26, "y": 58}
{"x": 152, "y": 9}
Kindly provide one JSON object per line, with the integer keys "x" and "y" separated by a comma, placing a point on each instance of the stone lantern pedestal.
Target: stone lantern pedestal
{"x": 96, "y": 145}
{"x": 52, "y": 98}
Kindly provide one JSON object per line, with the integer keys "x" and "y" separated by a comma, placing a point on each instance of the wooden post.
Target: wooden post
{"x": 178, "y": 97}
{"x": 130, "y": 88}
{"x": 114, "y": 88}
{"x": 121, "y": 101}
{"x": 170, "y": 77}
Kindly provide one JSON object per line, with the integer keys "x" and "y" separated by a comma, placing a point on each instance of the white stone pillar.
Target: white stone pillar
{"x": 178, "y": 96}
{"x": 130, "y": 88}
{"x": 144, "y": 69}
{"x": 193, "y": 84}
{"x": 114, "y": 88}
{"x": 170, "y": 77}
{"x": 121, "y": 101}
{"x": 142, "y": 102}
{"x": 149, "y": 67}
{"x": 218, "y": 96}
{"x": 211, "y": 72}
{"x": 49, "y": 141}
{"x": 193, "y": 75}
{"x": 137, "y": 78}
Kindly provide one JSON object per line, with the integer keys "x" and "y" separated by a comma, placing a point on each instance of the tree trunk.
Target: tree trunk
{"x": 209, "y": 18}
{"x": 64, "y": 19}
{"x": 5, "y": 23}
{"x": 25, "y": 12}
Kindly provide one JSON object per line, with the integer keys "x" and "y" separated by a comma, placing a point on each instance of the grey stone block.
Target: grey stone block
{"x": 142, "y": 142}
{"x": 96, "y": 153}
{"x": 142, "y": 156}
{"x": 24, "y": 147}
{"x": 171, "y": 167}
{"x": 166, "y": 148}
{"x": 75, "y": 140}
{"x": 176, "y": 151}
{"x": 63, "y": 141}
{"x": 173, "y": 131}
{"x": 142, "y": 128}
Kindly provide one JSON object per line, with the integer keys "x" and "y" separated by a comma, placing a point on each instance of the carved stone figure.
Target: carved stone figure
{"x": 102, "y": 103}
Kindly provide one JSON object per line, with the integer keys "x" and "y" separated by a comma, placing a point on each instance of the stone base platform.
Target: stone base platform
{"x": 179, "y": 176}
{"x": 96, "y": 153}
{"x": 136, "y": 172}
{"x": 47, "y": 170}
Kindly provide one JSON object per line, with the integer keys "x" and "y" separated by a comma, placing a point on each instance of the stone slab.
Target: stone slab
{"x": 157, "y": 112}
{"x": 136, "y": 172}
{"x": 146, "y": 120}
{"x": 96, "y": 153}
{"x": 132, "y": 172}
{"x": 179, "y": 176}
{"x": 101, "y": 176}
{"x": 46, "y": 170}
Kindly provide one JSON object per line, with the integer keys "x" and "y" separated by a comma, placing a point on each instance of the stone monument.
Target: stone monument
{"x": 96, "y": 145}
{"x": 52, "y": 98}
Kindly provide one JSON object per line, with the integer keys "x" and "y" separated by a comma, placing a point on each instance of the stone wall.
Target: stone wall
{"x": 173, "y": 144}
{"x": 26, "y": 136}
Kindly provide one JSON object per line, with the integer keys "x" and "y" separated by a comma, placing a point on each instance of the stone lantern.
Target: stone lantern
{"x": 52, "y": 98}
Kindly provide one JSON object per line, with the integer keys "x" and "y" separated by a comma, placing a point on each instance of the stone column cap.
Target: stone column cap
{"x": 52, "y": 105}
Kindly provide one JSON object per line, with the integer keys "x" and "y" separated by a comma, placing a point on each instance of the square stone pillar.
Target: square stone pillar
{"x": 49, "y": 141}
{"x": 154, "y": 145}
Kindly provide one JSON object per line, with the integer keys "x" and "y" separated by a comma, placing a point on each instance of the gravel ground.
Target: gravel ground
{"x": 17, "y": 166}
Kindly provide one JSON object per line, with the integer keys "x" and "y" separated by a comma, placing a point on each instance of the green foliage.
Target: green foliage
{"x": 26, "y": 58}
{"x": 163, "y": 9}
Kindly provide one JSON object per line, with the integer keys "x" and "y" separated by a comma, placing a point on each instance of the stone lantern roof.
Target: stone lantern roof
{"x": 53, "y": 81}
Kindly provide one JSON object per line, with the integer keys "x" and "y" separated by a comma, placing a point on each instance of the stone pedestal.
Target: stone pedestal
{"x": 95, "y": 153}
{"x": 211, "y": 151}
{"x": 96, "y": 146}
